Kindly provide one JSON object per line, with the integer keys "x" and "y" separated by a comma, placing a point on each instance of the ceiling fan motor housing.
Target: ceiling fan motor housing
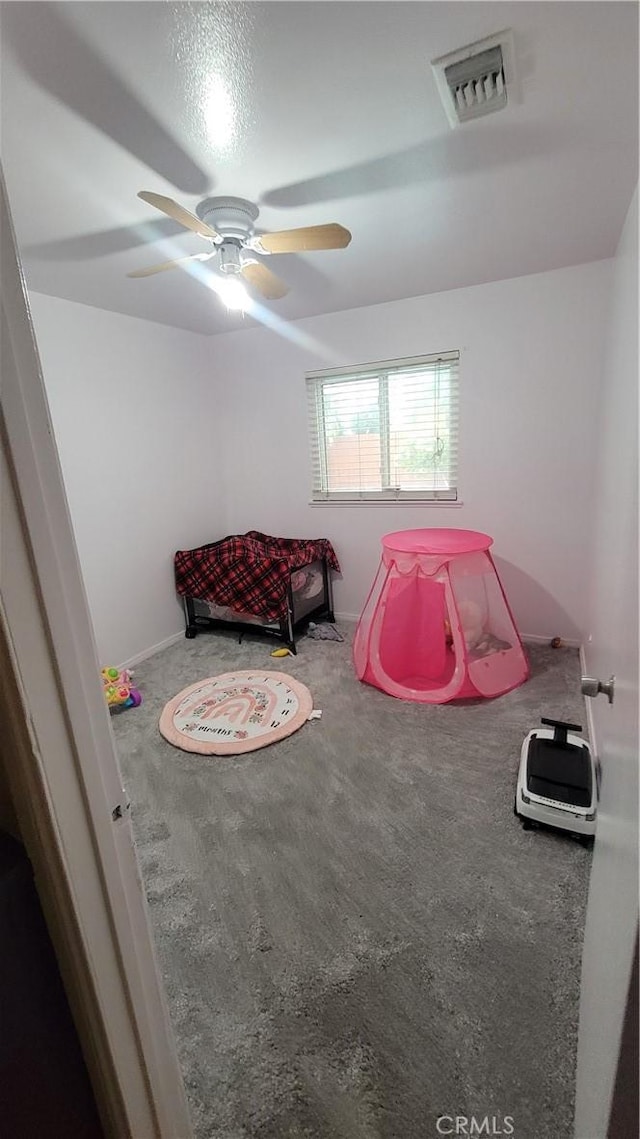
{"x": 230, "y": 217}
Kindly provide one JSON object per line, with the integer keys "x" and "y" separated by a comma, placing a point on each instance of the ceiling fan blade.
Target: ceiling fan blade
{"x": 178, "y": 213}
{"x": 170, "y": 265}
{"x": 332, "y": 236}
{"x": 264, "y": 280}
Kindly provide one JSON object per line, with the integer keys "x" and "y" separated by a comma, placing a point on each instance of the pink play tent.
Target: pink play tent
{"x": 436, "y": 625}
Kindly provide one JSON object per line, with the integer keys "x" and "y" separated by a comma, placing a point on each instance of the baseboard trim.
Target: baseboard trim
{"x": 146, "y": 653}
{"x": 536, "y": 639}
{"x": 175, "y": 637}
{"x": 527, "y": 638}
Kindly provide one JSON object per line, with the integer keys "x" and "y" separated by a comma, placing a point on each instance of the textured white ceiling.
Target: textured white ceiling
{"x": 326, "y": 112}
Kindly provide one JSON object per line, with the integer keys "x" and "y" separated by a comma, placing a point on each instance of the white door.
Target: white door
{"x": 612, "y": 912}
{"x": 64, "y": 778}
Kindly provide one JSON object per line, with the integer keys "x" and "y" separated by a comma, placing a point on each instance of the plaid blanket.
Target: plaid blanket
{"x": 248, "y": 572}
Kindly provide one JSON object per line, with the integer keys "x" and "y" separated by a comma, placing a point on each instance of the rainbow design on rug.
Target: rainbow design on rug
{"x": 236, "y": 712}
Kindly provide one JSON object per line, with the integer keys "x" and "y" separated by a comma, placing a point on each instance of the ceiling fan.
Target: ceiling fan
{"x": 227, "y": 224}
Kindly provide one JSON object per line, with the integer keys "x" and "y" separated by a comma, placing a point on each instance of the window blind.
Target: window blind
{"x": 386, "y": 431}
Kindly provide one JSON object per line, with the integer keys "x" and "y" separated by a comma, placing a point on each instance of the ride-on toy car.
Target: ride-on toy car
{"x": 557, "y": 780}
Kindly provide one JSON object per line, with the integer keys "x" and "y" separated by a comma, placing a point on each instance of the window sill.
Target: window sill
{"x": 412, "y": 502}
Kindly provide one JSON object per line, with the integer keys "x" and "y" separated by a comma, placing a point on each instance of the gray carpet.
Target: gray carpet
{"x": 356, "y": 935}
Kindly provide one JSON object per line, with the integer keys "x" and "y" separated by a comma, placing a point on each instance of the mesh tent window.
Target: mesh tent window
{"x": 385, "y": 431}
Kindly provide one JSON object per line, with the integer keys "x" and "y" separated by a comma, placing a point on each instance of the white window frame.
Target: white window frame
{"x": 318, "y": 381}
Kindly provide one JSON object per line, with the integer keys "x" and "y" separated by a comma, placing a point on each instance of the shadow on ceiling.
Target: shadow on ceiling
{"x": 455, "y": 155}
{"x": 85, "y": 246}
{"x": 53, "y": 53}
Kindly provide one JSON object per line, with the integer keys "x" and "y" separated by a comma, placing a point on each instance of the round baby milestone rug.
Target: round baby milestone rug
{"x": 236, "y": 712}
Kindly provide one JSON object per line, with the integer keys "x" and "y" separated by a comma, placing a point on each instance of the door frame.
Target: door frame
{"x": 60, "y": 761}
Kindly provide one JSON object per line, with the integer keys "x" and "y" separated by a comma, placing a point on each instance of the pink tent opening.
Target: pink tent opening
{"x": 436, "y": 625}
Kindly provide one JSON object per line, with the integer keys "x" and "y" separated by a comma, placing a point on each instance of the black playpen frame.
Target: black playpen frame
{"x": 287, "y": 626}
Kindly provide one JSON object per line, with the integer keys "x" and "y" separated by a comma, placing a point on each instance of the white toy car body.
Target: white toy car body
{"x": 557, "y": 780}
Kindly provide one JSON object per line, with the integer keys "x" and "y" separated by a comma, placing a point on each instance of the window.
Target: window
{"x": 385, "y": 432}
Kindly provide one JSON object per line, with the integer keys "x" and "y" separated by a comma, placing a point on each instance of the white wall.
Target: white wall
{"x": 168, "y": 439}
{"x": 531, "y": 359}
{"x": 136, "y": 428}
{"x": 612, "y": 913}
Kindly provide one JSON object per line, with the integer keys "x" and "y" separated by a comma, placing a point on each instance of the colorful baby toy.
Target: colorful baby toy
{"x": 118, "y": 690}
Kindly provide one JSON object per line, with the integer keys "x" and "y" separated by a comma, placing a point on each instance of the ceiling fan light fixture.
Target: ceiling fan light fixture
{"x": 232, "y": 293}
{"x": 229, "y": 257}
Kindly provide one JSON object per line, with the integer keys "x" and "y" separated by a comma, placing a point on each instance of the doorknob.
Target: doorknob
{"x": 591, "y": 686}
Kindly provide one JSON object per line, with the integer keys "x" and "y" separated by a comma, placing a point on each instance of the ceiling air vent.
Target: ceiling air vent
{"x": 477, "y": 79}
